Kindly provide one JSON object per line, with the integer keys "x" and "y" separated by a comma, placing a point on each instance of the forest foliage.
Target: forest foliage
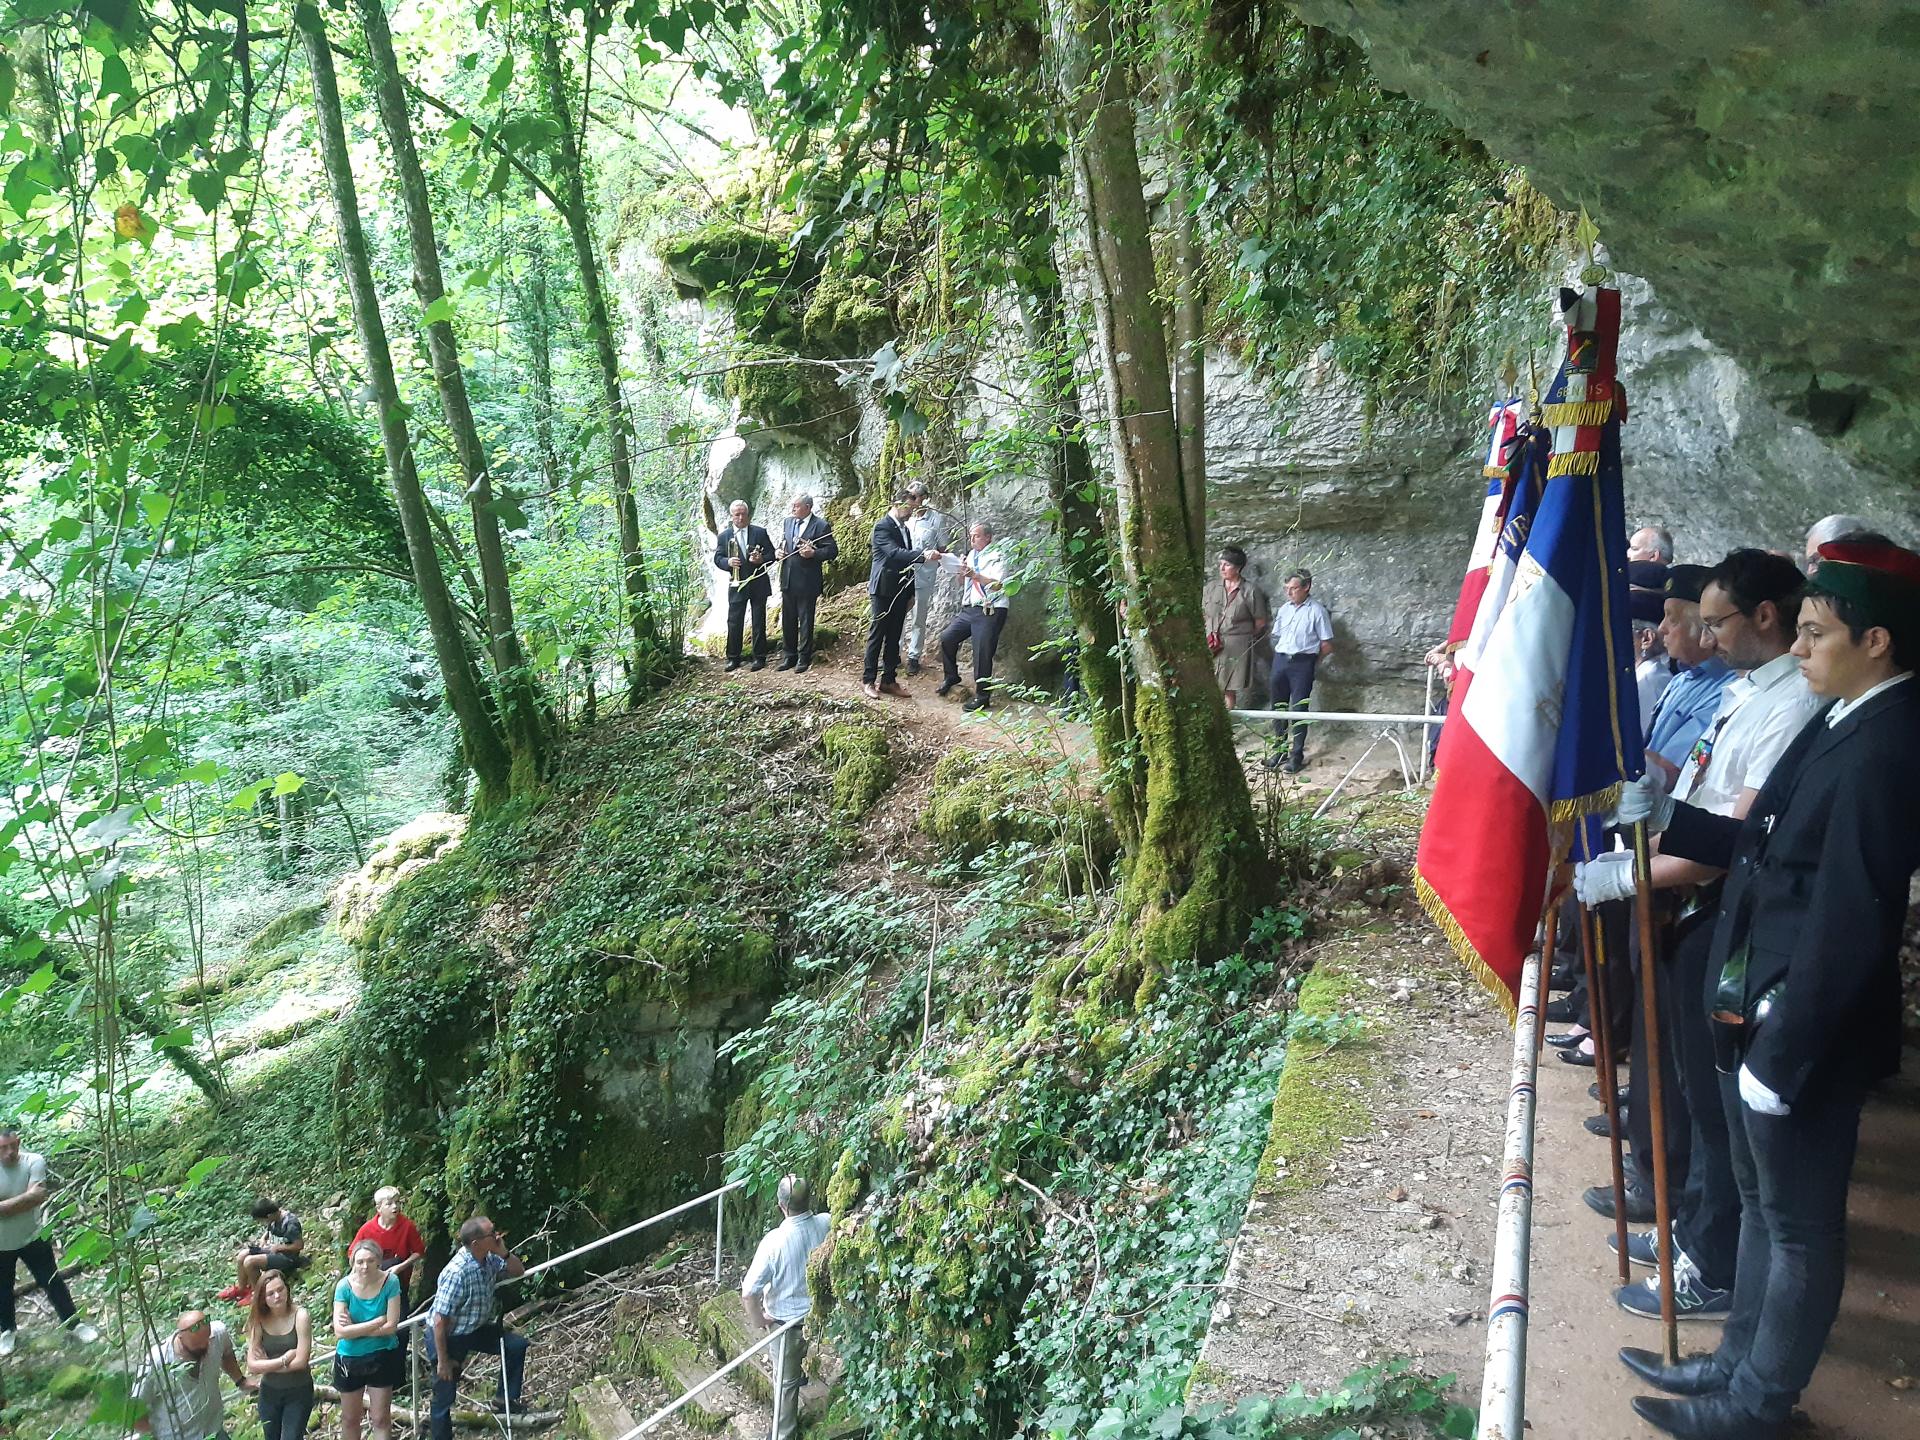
{"x": 353, "y": 428}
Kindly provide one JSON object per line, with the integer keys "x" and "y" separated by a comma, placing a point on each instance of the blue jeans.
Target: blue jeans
{"x": 486, "y": 1340}
{"x": 283, "y": 1413}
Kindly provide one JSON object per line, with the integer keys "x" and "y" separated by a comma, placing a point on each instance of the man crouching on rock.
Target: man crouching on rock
{"x": 774, "y": 1291}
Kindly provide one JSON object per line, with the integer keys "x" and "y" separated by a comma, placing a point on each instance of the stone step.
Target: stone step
{"x": 679, "y": 1363}
{"x": 725, "y": 1333}
{"x": 595, "y": 1411}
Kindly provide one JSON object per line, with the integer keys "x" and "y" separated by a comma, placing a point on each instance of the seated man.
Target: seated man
{"x": 280, "y": 1246}
{"x": 982, "y": 614}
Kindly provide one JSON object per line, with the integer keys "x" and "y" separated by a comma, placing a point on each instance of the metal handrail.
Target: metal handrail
{"x": 717, "y": 1376}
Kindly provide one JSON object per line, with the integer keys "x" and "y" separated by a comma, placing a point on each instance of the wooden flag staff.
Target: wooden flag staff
{"x": 1593, "y": 948}
{"x": 1652, "y": 1087}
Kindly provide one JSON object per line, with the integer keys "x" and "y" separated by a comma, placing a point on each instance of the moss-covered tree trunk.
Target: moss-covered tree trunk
{"x": 1085, "y": 549}
{"x": 486, "y": 753}
{"x": 1197, "y": 875}
{"x": 572, "y": 189}
{"x": 522, "y": 715}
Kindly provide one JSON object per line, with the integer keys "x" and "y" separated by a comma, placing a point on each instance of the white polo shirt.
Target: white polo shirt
{"x": 1760, "y": 713}
{"x": 779, "y": 1269}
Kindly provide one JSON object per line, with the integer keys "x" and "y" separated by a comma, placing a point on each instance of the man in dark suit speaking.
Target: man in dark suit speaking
{"x": 1803, "y": 984}
{"x": 890, "y": 596}
{"x": 805, "y": 545}
{"x": 745, "y": 553}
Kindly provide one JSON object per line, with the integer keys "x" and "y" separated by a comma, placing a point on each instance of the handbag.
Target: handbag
{"x": 1215, "y": 644}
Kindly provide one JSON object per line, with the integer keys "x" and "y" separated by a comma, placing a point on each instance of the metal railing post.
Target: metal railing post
{"x": 1426, "y": 730}
{"x": 413, "y": 1381}
{"x": 506, "y": 1391}
{"x": 719, "y": 1234}
{"x": 779, "y": 1381}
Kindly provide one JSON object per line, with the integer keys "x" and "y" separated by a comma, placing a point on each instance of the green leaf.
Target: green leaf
{"x": 499, "y": 80}
{"x": 39, "y": 982}
{"x": 201, "y": 1169}
{"x": 175, "y": 1039}
{"x": 440, "y": 310}
{"x": 458, "y": 132}
{"x": 202, "y": 773}
{"x": 156, "y": 508}
{"x": 208, "y": 188}
{"x": 286, "y": 782}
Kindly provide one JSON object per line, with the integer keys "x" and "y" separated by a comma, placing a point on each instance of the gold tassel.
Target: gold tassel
{"x": 1600, "y": 802}
{"x": 1574, "y": 462}
{"x": 1579, "y": 412}
{"x": 1436, "y": 909}
{"x": 1494, "y": 472}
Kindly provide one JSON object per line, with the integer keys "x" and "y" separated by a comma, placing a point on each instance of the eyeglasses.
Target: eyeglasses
{"x": 1712, "y": 626}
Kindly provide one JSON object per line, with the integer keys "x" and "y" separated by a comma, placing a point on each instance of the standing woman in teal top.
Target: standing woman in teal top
{"x": 366, "y": 1353}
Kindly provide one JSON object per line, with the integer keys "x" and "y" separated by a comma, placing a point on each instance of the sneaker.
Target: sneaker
{"x": 1693, "y": 1298}
{"x": 1597, "y": 1125}
{"x": 85, "y": 1333}
{"x": 1643, "y": 1248}
{"x": 8, "y": 1339}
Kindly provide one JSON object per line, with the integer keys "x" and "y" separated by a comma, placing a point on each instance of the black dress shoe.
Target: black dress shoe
{"x": 1694, "y": 1375}
{"x": 1640, "y": 1211}
{"x": 948, "y": 688}
{"x": 787, "y": 664}
{"x": 1560, "y": 1012}
{"x": 1706, "y": 1417}
{"x": 803, "y": 667}
{"x": 979, "y": 702}
{"x": 758, "y": 665}
{"x": 913, "y": 667}
{"x": 1597, "y": 1125}
{"x": 733, "y": 664}
{"x": 1562, "y": 978}
{"x": 1580, "y": 1057}
{"x": 1566, "y": 1039}
{"x": 1619, "y": 1093}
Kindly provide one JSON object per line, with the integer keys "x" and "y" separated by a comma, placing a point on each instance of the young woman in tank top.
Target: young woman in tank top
{"x": 280, "y": 1353}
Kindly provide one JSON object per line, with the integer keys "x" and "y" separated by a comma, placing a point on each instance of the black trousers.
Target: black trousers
{"x": 1677, "y": 1130}
{"x": 1615, "y": 921}
{"x": 796, "y": 625}
{"x": 738, "y": 603}
{"x": 981, "y": 625}
{"x": 1706, "y": 1219}
{"x": 1289, "y": 686}
{"x": 888, "y": 611}
{"x": 38, "y": 1255}
{"x": 1793, "y": 1171}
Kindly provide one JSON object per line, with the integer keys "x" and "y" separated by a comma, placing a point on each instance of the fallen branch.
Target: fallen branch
{"x": 466, "y": 1419}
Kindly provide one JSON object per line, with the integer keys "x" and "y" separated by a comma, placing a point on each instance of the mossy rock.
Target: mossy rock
{"x": 983, "y": 802}
{"x": 1321, "y": 1097}
{"x": 863, "y": 765}
{"x": 295, "y": 922}
{"x": 676, "y": 1361}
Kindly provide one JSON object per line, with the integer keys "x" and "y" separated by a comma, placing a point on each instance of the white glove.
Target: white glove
{"x": 1758, "y": 1097}
{"x": 1644, "y": 799}
{"x": 1610, "y": 877}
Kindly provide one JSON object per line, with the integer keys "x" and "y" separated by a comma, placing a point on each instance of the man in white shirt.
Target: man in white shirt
{"x": 23, "y": 1201}
{"x": 774, "y": 1291}
{"x": 930, "y": 530}
{"x": 1750, "y": 605}
{"x": 180, "y": 1382}
{"x": 1302, "y": 638}
{"x": 982, "y": 615}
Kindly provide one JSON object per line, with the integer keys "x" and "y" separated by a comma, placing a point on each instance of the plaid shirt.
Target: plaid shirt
{"x": 465, "y": 1293}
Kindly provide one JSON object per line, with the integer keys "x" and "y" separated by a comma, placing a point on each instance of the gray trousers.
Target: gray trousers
{"x": 922, "y": 602}
{"x": 788, "y": 1355}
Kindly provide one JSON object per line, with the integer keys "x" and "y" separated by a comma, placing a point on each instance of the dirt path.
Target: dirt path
{"x": 1390, "y": 1255}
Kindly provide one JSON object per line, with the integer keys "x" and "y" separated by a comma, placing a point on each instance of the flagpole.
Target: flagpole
{"x": 1503, "y": 1383}
{"x": 1650, "y": 1019}
{"x": 1593, "y": 947}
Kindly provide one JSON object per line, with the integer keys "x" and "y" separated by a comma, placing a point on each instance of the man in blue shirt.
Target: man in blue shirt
{"x": 463, "y": 1320}
{"x": 1688, "y": 704}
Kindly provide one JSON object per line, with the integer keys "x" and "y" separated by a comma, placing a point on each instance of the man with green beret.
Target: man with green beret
{"x": 1804, "y": 984}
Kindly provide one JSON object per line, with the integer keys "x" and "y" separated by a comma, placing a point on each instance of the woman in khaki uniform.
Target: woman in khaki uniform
{"x": 1237, "y": 613}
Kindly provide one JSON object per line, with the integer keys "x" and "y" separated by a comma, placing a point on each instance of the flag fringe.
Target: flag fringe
{"x": 1599, "y": 802}
{"x": 1437, "y": 912}
{"x": 1574, "y": 462}
{"x": 1494, "y": 472}
{"x": 1577, "y": 412}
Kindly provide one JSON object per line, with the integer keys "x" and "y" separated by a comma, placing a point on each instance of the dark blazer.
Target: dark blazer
{"x": 1816, "y": 889}
{"x": 893, "y": 557}
{"x": 799, "y": 575}
{"x": 755, "y": 584}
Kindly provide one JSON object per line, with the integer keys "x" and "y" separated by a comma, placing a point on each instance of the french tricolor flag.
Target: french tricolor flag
{"x": 1503, "y": 425}
{"x": 1550, "y": 725}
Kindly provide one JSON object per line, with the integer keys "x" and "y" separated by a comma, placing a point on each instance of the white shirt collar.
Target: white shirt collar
{"x": 1843, "y": 708}
{"x": 1775, "y": 671}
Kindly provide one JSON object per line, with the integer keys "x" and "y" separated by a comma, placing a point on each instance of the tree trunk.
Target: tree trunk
{"x": 1085, "y": 551}
{"x": 485, "y": 751}
{"x": 573, "y": 194}
{"x": 1189, "y": 297}
{"x": 1196, "y": 879}
{"x": 521, "y": 710}
{"x": 535, "y": 311}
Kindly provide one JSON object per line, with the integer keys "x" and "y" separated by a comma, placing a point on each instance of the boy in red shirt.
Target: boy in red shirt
{"x": 398, "y": 1238}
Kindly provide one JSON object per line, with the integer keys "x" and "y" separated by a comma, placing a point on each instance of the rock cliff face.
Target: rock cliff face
{"x": 1749, "y": 159}
{"x": 1381, "y": 512}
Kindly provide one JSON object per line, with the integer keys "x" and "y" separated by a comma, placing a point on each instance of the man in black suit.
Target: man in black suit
{"x": 1803, "y": 984}
{"x": 890, "y": 596}
{"x": 805, "y": 547}
{"x": 745, "y": 553}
